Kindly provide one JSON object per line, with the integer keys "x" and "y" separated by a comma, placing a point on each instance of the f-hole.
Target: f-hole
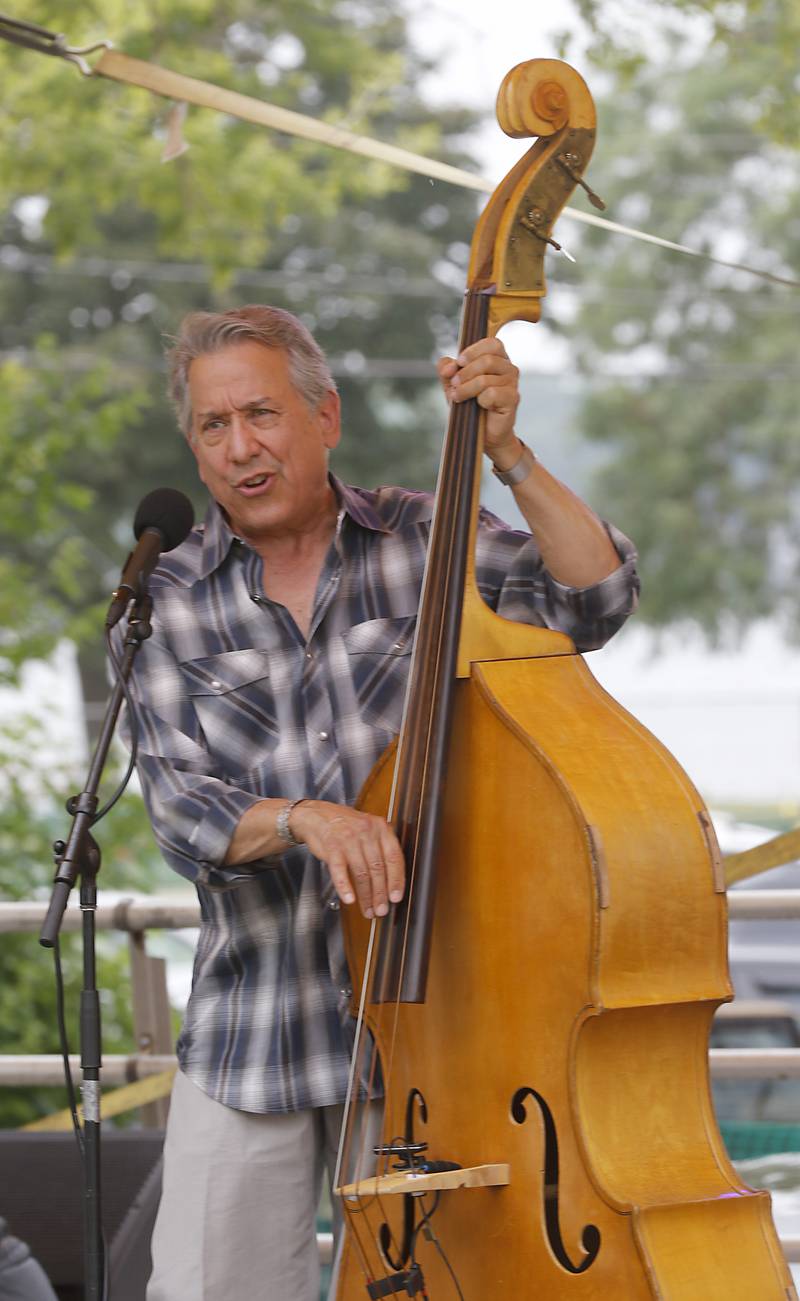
{"x": 590, "y": 1235}
{"x": 399, "y": 1261}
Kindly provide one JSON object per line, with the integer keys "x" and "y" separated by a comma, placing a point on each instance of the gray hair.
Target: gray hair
{"x": 205, "y": 332}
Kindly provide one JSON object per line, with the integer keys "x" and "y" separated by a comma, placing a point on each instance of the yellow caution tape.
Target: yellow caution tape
{"x": 114, "y": 1103}
{"x": 781, "y": 849}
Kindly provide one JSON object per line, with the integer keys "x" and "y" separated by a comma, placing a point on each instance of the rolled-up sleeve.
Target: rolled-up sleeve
{"x": 194, "y": 811}
{"x": 513, "y": 580}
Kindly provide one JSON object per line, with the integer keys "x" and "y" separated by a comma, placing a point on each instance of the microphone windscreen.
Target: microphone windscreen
{"x": 167, "y": 510}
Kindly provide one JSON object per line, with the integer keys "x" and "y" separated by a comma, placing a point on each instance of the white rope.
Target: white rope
{"x": 176, "y": 86}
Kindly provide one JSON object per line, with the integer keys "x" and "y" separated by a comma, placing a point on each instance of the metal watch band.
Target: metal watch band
{"x": 282, "y": 822}
{"x": 519, "y": 470}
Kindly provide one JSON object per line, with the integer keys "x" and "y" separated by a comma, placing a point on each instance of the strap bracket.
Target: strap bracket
{"x": 33, "y": 37}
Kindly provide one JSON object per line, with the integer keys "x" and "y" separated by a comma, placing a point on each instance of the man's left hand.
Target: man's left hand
{"x": 484, "y": 371}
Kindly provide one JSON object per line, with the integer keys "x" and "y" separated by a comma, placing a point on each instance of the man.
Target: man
{"x": 21, "y": 1276}
{"x": 273, "y": 681}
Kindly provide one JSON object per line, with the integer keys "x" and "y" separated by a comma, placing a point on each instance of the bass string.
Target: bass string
{"x": 456, "y": 480}
{"x": 406, "y": 741}
{"x": 367, "y": 988}
{"x": 455, "y": 490}
{"x": 395, "y": 1006}
{"x": 409, "y": 742}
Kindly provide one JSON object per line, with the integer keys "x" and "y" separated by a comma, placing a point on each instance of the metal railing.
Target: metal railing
{"x": 152, "y": 1016}
{"x": 152, "y": 1019}
{"x": 152, "y": 1025}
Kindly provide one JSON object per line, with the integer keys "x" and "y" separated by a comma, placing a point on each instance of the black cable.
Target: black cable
{"x": 134, "y": 730}
{"x": 424, "y": 1223}
{"x": 426, "y": 1227}
{"x": 60, "y": 1009}
{"x": 64, "y": 1043}
{"x": 437, "y": 1244}
{"x": 71, "y": 1095}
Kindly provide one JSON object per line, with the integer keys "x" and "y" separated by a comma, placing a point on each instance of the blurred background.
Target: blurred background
{"x": 662, "y": 387}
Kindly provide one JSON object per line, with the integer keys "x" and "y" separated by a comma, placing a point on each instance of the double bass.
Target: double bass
{"x": 540, "y": 1003}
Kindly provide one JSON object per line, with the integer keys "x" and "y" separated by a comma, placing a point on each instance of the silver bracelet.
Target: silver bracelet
{"x": 519, "y": 470}
{"x": 282, "y": 821}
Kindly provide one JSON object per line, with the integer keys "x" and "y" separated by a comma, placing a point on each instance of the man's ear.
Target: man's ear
{"x": 329, "y": 417}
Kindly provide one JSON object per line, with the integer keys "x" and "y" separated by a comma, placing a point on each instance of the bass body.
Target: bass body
{"x": 578, "y": 956}
{"x": 541, "y": 1000}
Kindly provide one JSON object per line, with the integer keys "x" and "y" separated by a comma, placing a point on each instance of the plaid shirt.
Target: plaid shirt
{"x": 235, "y": 706}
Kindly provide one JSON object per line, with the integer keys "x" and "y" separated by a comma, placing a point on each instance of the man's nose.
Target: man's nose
{"x": 243, "y": 442}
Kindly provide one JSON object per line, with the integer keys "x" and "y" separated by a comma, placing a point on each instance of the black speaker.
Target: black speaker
{"x": 41, "y": 1197}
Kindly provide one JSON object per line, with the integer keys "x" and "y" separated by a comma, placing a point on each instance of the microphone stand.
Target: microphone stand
{"x": 80, "y": 856}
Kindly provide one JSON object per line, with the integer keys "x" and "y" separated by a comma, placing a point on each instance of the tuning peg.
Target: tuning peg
{"x": 533, "y": 221}
{"x": 568, "y": 163}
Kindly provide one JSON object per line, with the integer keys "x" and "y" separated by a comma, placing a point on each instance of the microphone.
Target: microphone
{"x": 163, "y": 520}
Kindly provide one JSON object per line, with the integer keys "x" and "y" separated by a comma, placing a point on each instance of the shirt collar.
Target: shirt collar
{"x": 219, "y": 537}
{"x": 360, "y": 505}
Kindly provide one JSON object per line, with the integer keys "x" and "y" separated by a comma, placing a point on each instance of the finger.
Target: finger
{"x": 482, "y": 348}
{"x": 373, "y": 852}
{"x": 465, "y": 386}
{"x": 490, "y": 395}
{"x": 361, "y": 878}
{"x": 489, "y": 363}
{"x": 395, "y": 863}
{"x": 486, "y": 368}
{"x": 446, "y": 367}
{"x": 337, "y": 868}
{"x": 496, "y": 398}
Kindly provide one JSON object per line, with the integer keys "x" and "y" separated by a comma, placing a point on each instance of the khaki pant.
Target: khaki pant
{"x": 238, "y": 1208}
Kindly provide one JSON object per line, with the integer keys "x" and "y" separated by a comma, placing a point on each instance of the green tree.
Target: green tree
{"x": 753, "y": 31}
{"x": 102, "y": 250}
{"x": 105, "y": 248}
{"x": 56, "y": 431}
{"x": 692, "y": 399}
{"x": 32, "y": 816}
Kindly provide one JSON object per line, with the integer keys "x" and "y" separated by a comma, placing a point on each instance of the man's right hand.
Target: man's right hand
{"x": 360, "y": 850}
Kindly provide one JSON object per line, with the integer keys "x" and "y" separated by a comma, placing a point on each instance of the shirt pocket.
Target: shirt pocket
{"x": 233, "y": 698}
{"x": 379, "y": 654}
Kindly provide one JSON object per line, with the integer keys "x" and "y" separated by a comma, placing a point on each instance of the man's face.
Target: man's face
{"x": 260, "y": 449}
